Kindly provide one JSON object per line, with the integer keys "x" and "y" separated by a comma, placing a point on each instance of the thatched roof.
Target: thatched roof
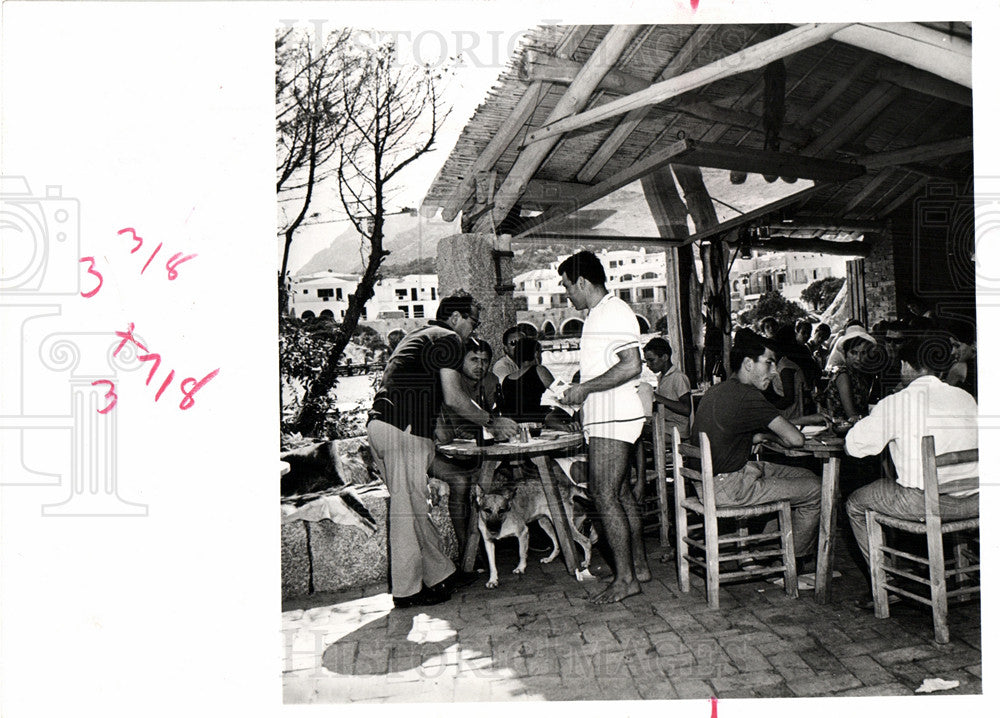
{"x": 845, "y": 106}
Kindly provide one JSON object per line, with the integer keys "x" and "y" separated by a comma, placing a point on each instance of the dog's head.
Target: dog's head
{"x": 493, "y": 506}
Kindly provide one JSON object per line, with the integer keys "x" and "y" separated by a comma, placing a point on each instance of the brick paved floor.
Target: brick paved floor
{"x": 536, "y": 637}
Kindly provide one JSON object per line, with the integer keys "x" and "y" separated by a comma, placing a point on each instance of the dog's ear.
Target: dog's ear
{"x": 477, "y": 494}
{"x": 508, "y": 492}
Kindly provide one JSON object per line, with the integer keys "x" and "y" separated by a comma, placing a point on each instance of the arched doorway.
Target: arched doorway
{"x": 572, "y": 327}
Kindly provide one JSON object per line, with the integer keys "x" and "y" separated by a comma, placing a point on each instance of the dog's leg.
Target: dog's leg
{"x": 584, "y": 541}
{"x": 522, "y": 545}
{"x": 546, "y": 523}
{"x": 494, "y": 580}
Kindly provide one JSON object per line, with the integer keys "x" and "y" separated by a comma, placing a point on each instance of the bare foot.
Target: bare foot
{"x": 642, "y": 574}
{"x": 616, "y": 592}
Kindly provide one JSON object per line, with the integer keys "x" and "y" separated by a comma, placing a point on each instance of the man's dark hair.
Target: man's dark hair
{"x": 768, "y": 322}
{"x": 896, "y": 325}
{"x": 525, "y": 349}
{"x": 963, "y": 331}
{"x": 472, "y": 344}
{"x": 823, "y": 328}
{"x": 851, "y": 344}
{"x": 511, "y": 332}
{"x": 746, "y": 344}
{"x": 584, "y": 264}
{"x": 460, "y": 302}
{"x": 658, "y": 345}
{"x": 930, "y": 351}
{"x": 802, "y": 325}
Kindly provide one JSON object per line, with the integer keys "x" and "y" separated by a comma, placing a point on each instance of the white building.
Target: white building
{"x": 634, "y": 275}
{"x": 785, "y": 272}
{"x": 325, "y": 294}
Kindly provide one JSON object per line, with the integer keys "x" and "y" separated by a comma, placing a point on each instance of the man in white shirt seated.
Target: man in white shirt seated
{"x": 925, "y": 407}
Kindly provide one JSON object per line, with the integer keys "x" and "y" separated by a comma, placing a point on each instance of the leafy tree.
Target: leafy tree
{"x": 773, "y": 304}
{"x": 821, "y": 292}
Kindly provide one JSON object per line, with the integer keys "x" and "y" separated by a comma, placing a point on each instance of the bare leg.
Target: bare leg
{"x": 608, "y": 465}
{"x": 634, "y": 517}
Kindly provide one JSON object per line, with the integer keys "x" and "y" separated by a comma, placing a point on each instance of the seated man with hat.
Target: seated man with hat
{"x": 735, "y": 415}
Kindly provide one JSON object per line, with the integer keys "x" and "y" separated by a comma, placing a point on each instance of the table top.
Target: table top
{"x": 822, "y": 444}
{"x": 548, "y": 440}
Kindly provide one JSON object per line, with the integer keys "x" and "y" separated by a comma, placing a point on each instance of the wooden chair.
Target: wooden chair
{"x": 705, "y": 538}
{"x": 936, "y": 571}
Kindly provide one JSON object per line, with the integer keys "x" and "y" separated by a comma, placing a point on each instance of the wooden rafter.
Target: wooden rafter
{"x": 918, "y": 153}
{"x": 854, "y": 120}
{"x": 752, "y": 58}
{"x": 531, "y": 158}
{"x": 678, "y": 63}
{"x": 753, "y": 214}
{"x": 627, "y": 176}
{"x": 926, "y": 83}
{"x": 944, "y": 55}
{"x": 744, "y": 159}
{"x": 782, "y": 243}
{"x": 508, "y": 131}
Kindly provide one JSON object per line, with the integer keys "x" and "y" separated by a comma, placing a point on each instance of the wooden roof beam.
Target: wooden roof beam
{"x": 530, "y": 159}
{"x": 665, "y": 204}
{"x": 538, "y": 66}
{"x": 765, "y": 162}
{"x": 753, "y": 214}
{"x": 541, "y": 194}
{"x": 854, "y": 120}
{"x": 595, "y": 192}
{"x": 944, "y": 55}
{"x": 926, "y": 83}
{"x": 678, "y": 63}
{"x": 751, "y": 58}
{"x": 508, "y": 131}
{"x": 780, "y": 243}
{"x": 918, "y": 153}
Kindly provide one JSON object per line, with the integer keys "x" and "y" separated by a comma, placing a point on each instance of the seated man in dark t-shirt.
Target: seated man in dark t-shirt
{"x": 735, "y": 416}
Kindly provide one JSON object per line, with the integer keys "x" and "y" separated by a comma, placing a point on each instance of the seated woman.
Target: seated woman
{"x": 791, "y": 388}
{"x": 522, "y": 389}
{"x": 846, "y": 396}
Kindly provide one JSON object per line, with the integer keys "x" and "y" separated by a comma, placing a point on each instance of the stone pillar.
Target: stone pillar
{"x": 465, "y": 261}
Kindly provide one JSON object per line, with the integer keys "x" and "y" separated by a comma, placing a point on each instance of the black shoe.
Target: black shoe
{"x": 460, "y": 579}
{"x": 428, "y": 596}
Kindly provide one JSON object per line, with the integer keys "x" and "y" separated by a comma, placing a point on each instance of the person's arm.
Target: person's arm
{"x": 546, "y": 376}
{"x": 680, "y": 406}
{"x": 459, "y": 401}
{"x": 785, "y": 400}
{"x": 844, "y": 388}
{"x": 784, "y": 431}
{"x": 627, "y": 368}
{"x": 871, "y": 434}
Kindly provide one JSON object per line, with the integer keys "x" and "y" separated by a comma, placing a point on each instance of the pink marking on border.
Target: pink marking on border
{"x": 715, "y": 701}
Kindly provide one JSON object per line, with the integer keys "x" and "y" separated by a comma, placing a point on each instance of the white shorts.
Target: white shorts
{"x": 627, "y": 430}
{"x": 618, "y": 415}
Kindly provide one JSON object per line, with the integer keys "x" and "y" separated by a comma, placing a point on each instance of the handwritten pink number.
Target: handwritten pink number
{"x": 715, "y": 707}
{"x": 151, "y": 257}
{"x": 109, "y": 395}
{"x": 173, "y": 262}
{"x": 188, "y": 401}
{"x": 153, "y": 358}
{"x": 135, "y": 238}
{"x": 127, "y": 337}
{"x": 91, "y": 270}
{"x": 170, "y": 378}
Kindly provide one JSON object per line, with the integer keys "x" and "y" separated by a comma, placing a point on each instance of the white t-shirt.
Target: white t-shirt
{"x": 610, "y": 327}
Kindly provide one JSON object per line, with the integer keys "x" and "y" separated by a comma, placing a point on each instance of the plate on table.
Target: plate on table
{"x": 812, "y": 430}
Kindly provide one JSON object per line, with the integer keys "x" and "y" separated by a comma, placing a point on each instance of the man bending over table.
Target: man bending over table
{"x": 736, "y": 415}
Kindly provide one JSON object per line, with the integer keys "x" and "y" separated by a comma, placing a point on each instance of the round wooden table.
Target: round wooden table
{"x": 828, "y": 447}
{"x": 535, "y": 450}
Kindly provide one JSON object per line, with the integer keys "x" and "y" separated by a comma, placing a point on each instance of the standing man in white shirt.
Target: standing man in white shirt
{"x": 925, "y": 407}
{"x": 610, "y": 364}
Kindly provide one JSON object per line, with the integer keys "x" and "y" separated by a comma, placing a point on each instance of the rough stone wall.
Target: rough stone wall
{"x": 465, "y": 261}
{"x": 880, "y": 278}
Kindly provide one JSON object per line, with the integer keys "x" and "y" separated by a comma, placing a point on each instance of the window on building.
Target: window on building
{"x": 633, "y": 261}
{"x": 305, "y": 291}
{"x": 433, "y": 292}
{"x": 340, "y": 294}
{"x": 405, "y": 310}
{"x": 625, "y": 294}
{"x": 401, "y": 294}
{"x": 649, "y": 275}
{"x": 413, "y": 294}
{"x": 418, "y": 311}
{"x": 324, "y": 294}
{"x": 626, "y": 278}
{"x": 646, "y": 293}
{"x": 541, "y": 300}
